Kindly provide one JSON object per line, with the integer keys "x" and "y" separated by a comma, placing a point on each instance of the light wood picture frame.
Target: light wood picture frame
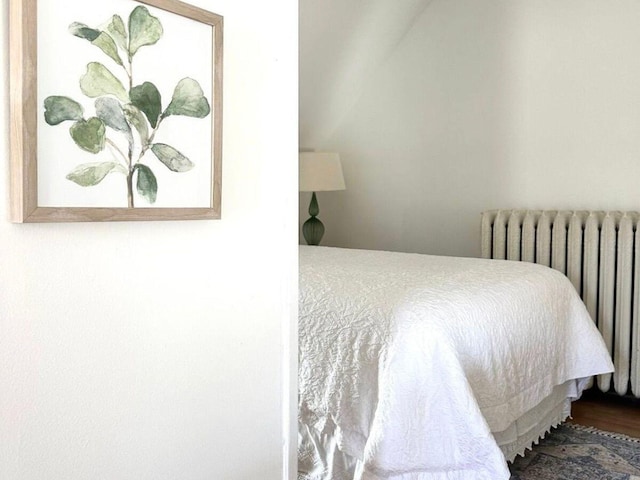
{"x": 111, "y": 119}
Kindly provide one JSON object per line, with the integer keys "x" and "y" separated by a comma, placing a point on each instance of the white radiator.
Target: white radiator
{"x": 600, "y": 253}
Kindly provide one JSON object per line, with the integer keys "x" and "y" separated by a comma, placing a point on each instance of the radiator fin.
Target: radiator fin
{"x": 635, "y": 329}
{"x": 600, "y": 254}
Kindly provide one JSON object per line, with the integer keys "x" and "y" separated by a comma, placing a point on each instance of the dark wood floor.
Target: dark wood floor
{"x": 608, "y": 412}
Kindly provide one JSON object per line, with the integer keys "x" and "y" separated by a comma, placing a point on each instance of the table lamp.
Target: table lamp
{"x": 319, "y": 172}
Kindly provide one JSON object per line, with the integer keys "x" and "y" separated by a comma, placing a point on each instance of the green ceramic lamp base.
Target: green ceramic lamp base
{"x": 313, "y": 229}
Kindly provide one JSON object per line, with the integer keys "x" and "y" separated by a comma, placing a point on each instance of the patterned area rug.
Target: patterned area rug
{"x": 574, "y": 452}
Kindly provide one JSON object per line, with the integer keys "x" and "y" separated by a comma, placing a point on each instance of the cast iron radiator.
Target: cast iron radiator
{"x": 600, "y": 253}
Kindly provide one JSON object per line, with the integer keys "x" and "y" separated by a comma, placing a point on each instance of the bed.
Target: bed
{"x": 419, "y": 367}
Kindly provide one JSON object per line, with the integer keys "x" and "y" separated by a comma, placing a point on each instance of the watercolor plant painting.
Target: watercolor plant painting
{"x": 127, "y": 116}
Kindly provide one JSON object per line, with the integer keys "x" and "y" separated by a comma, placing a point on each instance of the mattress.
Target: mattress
{"x": 410, "y": 362}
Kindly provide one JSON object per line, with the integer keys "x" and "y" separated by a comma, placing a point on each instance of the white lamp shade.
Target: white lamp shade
{"x": 320, "y": 172}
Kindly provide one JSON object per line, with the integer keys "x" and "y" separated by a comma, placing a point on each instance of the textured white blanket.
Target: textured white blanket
{"x": 415, "y": 359}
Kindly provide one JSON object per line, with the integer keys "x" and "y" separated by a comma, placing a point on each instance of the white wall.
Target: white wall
{"x": 488, "y": 104}
{"x": 161, "y": 350}
{"x": 343, "y": 43}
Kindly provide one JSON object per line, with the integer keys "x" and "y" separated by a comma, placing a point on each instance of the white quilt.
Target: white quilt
{"x": 415, "y": 359}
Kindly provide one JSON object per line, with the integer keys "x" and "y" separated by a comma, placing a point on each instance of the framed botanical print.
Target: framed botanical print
{"x": 116, "y": 110}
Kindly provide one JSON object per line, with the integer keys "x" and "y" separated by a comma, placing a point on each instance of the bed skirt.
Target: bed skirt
{"x": 320, "y": 457}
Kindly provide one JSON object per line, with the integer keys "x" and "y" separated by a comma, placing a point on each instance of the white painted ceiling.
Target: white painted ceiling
{"x": 341, "y": 44}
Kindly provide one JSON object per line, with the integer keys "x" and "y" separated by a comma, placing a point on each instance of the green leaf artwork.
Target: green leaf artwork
{"x": 147, "y": 98}
{"x": 124, "y": 114}
{"x": 60, "y": 109}
{"x": 89, "y": 174}
{"x": 189, "y": 100}
{"x": 136, "y": 118}
{"x": 89, "y": 135}
{"x": 173, "y": 159}
{"x": 99, "y": 81}
{"x": 109, "y": 110}
{"x": 100, "y": 39}
{"x": 144, "y": 29}
{"x": 146, "y": 184}
{"x": 118, "y": 32}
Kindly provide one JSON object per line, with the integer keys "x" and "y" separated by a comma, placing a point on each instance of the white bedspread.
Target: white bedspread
{"x": 415, "y": 359}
